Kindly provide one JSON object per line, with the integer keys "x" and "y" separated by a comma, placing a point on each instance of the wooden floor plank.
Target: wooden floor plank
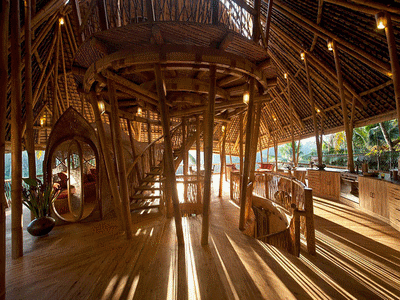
{"x": 358, "y": 257}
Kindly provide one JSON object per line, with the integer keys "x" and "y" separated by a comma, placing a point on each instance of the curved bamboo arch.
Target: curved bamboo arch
{"x": 177, "y": 57}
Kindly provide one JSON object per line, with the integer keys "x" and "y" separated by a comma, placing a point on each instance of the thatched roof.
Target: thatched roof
{"x": 296, "y": 26}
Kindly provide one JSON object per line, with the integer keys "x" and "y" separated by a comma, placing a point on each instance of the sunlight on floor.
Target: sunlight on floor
{"x": 191, "y": 271}
{"x": 347, "y": 258}
{"x": 309, "y": 286}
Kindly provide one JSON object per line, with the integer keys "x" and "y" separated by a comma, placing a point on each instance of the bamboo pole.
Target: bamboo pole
{"x": 149, "y": 139}
{"x": 55, "y": 74}
{"x": 16, "y": 147}
{"x": 4, "y": 21}
{"x": 78, "y": 19}
{"x": 268, "y": 23}
{"x": 276, "y": 154}
{"x": 198, "y": 129}
{"x": 110, "y": 170}
{"x": 246, "y": 168}
{"x": 255, "y": 136}
{"x": 314, "y": 114}
{"x": 223, "y": 161}
{"x": 169, "y": 168}
{"x": 394, "y": 62}
{"x": 349, "y": 138}
{"x": 120, "y": 158}
{"x": 241, "y": 148}
{"x": 29, "y": 137}
{"x": 185, "y": 159}
{"x": 64, "y": 68}
{"x": 289, "y": 97}
{"x": 131, "y": 138}
{"x": 208, "y": 152}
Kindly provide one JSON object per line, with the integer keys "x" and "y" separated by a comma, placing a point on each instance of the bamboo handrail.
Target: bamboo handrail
{"x": 135, "y": 161}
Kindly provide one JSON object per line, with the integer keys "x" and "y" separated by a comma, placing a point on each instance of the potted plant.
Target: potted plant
{"x": 38, "y": 198}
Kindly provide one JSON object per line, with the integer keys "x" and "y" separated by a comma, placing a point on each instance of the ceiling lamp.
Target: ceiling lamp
{"x": 330, "y": 45}
{"x": 380, "y": 20}
{"x": 42, "y": 122}
{"x": 274, "y": 118}
{"x": 318, "y": 110}
{"x": 246, "y": 97}
{"x": 102, "y": 107}
{"x": 139, "y": 111}
{"x": 302, "y": 55}
{"x": 285, "y": 75}
{"x": 62, "y": 22}
{"x": 223, "y": 128}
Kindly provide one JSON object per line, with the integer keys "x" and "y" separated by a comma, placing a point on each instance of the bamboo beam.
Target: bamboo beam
{"x": 368, "y": 7}
{"x": 394, "y": 61}
{"x": 247, "y": 167}
{"x": 110, "y": 169}
{"x": 208, "y": 151}
{"x": 351, "y": 49}
{"x": 103, "y": 19}
{"x": 222, "y": 160}
{"x": 76, "y": 12}
{"x": 276, "y": 154}
{"x": 16, "y": 147}
{"x": 319, "y": 18}
{"x": 169, "y": 168}
{"x": 311, "y": 96}
{"x": 349, "y": 137}
{"x": 29, "y": 137}
{"x": 4, "y": 22}
{"x": 257, "y": 21}
{"x": 268, "y": 23}
{"x": 120, "y": 159}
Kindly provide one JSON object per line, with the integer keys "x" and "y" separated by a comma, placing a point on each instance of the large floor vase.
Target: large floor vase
{"x": 41, "y": 226}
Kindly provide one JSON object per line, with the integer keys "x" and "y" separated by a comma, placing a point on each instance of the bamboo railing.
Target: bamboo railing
{"x": 190, "y": 202}
{"x": 124, "y": 12}
{"x": 293, "y": 197}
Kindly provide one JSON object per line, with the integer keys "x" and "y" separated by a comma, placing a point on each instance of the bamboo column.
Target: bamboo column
{"x": 347, "y": 131}
{"x": 276, "y": 154}
{"x": 247, "y": 151}
{"x": 314, "y": 114}
{"x": 16, "y": 131}
{"x": 29, "y": 137}
{"x": 241, "y": 149}
{"x": 109, "y": 165}
{"x": 394, "y": 62}
{"x": 151, "y": 152}
{"x": 169, "y": 168}
{"x": 208, "y": 152}
{"x": 55, "y": 74}
{"x": 4, "y": 21}
{"x": 120, "y": 158}
{"x": 255, "y": 138}
{"x": 185, "y": 158}
{"x": 289, "y": 96}
{"x": 198, "y": 129}
{"x": 223, "y": 161}
{"x": 131, "y": 139}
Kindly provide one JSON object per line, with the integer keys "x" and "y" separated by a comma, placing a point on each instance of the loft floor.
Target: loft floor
{"x": 358, "y": 257}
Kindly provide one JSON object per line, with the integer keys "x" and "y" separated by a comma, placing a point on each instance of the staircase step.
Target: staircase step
{"x": 144, "y": 197}
{"x": 133, "y": 207}
{"x": 148, "y": 188}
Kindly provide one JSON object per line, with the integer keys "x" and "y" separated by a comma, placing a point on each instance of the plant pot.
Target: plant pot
{"x": 41, "y": 226}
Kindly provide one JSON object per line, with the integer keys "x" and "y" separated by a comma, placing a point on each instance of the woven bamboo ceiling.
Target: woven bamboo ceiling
{"x": 183, "y": 39}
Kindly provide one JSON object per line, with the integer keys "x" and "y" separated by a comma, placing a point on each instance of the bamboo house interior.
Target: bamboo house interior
{"x": 117, "y": 92}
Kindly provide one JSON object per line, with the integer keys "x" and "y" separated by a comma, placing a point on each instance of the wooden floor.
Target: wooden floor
{"x": 358, "y": 257}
